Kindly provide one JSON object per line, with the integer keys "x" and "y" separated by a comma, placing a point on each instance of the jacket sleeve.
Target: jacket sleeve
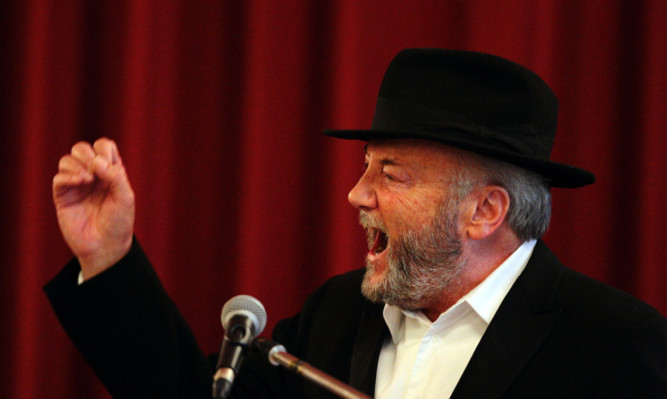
{"x": 138, "y": 344}
{"x": 129, "y": 331}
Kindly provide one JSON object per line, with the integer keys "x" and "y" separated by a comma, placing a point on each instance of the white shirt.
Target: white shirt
{"x": 425, "y": 359}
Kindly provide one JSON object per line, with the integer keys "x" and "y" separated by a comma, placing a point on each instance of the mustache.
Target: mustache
{"x": 368, "y": 221}
{"x": 373, "y": 226}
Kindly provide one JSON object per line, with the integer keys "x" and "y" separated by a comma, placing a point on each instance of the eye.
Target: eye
{"x": 388, "y": 176}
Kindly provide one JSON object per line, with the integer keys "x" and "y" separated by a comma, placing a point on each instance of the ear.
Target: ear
{"x": 489, "y": 206}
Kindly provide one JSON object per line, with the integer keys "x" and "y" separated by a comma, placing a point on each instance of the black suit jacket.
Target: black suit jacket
{"x": 557, "y": 334}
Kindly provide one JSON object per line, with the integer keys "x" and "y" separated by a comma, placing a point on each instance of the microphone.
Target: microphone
{"x": 243, "y": 317}
{"x": 278, "y": 356}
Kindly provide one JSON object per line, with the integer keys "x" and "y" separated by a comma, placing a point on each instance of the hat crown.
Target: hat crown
{"x": 436, "y": 89}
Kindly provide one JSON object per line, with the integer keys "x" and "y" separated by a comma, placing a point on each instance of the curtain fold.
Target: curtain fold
{"x": 218, "y": 109}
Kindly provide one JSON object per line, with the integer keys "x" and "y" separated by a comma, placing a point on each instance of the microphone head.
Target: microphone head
{"x": 244, "y": 305}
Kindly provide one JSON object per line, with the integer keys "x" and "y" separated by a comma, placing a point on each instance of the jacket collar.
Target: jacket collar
{"x": 523, "y": 321}
{"x": 367, "y": 345}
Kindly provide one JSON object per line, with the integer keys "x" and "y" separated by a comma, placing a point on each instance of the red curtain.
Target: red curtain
{"x": 218, "y": 107}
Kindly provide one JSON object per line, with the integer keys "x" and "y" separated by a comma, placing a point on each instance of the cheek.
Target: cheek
{"x": 405, "y": 212}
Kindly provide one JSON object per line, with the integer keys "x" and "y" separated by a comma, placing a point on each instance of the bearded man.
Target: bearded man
{"x": 459, "y": 298}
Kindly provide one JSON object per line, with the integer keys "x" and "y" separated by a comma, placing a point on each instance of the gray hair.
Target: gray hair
{"x": 530, "y": 196}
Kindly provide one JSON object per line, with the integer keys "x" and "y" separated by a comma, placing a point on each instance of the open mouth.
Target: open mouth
{"x": 378, "y": 241}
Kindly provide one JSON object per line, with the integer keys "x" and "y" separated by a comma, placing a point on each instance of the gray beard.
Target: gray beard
{"x": 422, "y": 264}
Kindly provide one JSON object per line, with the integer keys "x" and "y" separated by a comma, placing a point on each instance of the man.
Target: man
{"x": 459, "y": 298}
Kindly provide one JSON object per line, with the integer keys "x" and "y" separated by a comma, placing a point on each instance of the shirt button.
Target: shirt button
{"x": 436, "y": 338}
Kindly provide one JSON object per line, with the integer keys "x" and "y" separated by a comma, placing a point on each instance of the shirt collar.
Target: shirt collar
{"x": 484, "y": 299}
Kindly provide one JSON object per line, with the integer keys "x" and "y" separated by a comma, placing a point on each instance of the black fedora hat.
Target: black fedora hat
{"x": 474, "y": 101}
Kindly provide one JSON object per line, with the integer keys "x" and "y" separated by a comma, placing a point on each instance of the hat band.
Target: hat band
{"x": 393, "y": 115}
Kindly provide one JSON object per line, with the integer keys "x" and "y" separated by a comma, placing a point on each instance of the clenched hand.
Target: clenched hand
{"x": 95, "y": 205}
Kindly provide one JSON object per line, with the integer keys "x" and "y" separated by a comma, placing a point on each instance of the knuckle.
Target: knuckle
{"x": 57, "y": 181}
{"x": 104, "y": 142}
{"x": 105, "y": 146}
{"x": 81, "y": 150}
{"x": 79, "y": 146}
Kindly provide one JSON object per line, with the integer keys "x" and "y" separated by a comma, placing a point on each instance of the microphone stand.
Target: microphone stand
{"x": 278, "y": 356}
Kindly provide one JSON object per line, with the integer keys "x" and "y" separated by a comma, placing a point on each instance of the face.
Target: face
{"x": 408, "y": 201}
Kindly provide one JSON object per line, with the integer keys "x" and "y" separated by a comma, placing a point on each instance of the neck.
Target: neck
{"x": 482, "y": 258}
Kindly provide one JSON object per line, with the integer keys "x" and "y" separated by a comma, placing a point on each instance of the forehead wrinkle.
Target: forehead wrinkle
{"x": 385, "y": 159}
{"x": 412, "y": 154}
{"x": 389, "y": 161}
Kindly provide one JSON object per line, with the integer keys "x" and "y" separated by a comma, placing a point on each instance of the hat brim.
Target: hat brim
{"x": 556, "y": 174}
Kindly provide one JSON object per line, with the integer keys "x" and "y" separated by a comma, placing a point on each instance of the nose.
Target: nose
{"x": 362, "y": 196}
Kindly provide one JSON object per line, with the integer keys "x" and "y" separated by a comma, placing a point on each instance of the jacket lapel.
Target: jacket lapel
{"x": 520, "y": 325}
{"x": 367, "y": 345}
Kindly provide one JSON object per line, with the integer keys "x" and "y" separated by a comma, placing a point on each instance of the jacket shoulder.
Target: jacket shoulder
{"x": 548, "y": 283}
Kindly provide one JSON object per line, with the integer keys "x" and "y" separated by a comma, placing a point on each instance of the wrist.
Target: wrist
{"x": 98, "y": 262}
